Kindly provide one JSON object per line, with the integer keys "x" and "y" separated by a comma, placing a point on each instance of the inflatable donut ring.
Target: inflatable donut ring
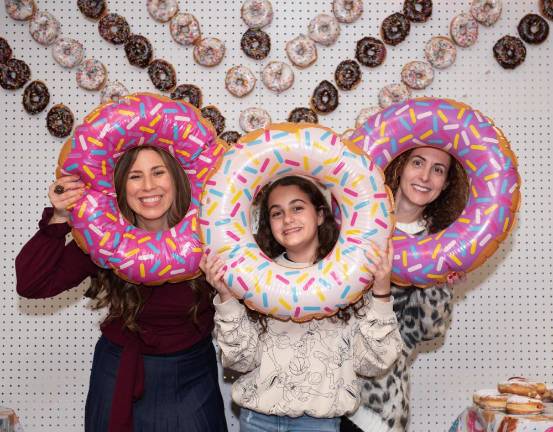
{"x": 357, "y": 186}
{"x": 491, "y": 167}
{"x": 137, "y": 255}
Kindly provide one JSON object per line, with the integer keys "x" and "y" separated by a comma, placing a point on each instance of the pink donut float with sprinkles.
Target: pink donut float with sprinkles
{"x": 491, "y": 167}
{"x": 134, "y": 254}
{"x": 357, "y": 186}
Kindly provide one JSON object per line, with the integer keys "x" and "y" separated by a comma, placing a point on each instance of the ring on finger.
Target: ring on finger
{"x": 59, "y": 189}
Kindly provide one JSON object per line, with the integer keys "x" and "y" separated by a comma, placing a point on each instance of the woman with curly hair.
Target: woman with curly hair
{"x": 430, "y": 190}
{"x": 154, "y": 367}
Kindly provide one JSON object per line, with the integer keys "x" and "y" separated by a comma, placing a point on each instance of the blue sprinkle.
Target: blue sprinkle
{"x": 379, "y": 161}
{"x": 476, "y": 228}
{"x": 435, "y": 141}
{"x": 262, "y": 265}
{"x": 175, "y": 132}
{"x": 394, "y": 145}
{"x": 325, "y": 283}
{"x": 152, "y": 139}
{"x": 251, "y": 245}
{"x": 405, "y": 124}
{"x": 396, "y": 270}
{"x": 250, "y": 170}
{"x": 196, "y": 154}
{"x": 283, "y": 171}
{"x": 278, "y": 156}
{"x": 114, "y": 260}
{"x": 142, "y": 110}
{"x": 345, "y": 211}
{"x": 467, "y": 120}
{"x": 389, "y": 112}
{"x": 248, "y": 295}
{"x": 111, "y": 163}
{"x": 216, "y": 192}
{"x": 202, "y": 129}
{"x": 349, "y": 154}
{"x": 422, "y": 103}
{"x": 325, "y": 135}
{"x": 481, "y": 170}
{"x": 95, "y": 215}
{"x": 104, "y": 183}
{"x": 295, "y": 294}
{"x": 370, "y": 233}
{"x": 428, "y": 268}
{"x": 116, "y": 239}
{"x": 208, "y": 236}
{"x": 307, "y": 138}
{"x": 99, "y": 122}
{"x": 227, "y": 166}
{"x": 153, "y": 247}
{"x": 507, "y": 164}
{"x": 464, "y": 152}
{"x": 345, "y": 292}
{"x": 311, "y": 308}
{"x": 248, "y": 195}
{"x": 73, "y": 143}
{"x": 170, "y": 110}
{"x": 234, "y": 251}
{"x": 155, "y": 266}
{"x": 292, "y": 273}
{"x": 445, "y": 106}
{"x": 483, "y": 200}
{"x": 419, "y": 280}
{"x": 252, "y": 143}
{"x": 265, "y": 300}
{"x": 229, "y": 280}
{"x": 367, "y": 128}
{"x": 504, "y": 186}
{"x": 501, "y": 214}
{"x": 435, "y": 123}
{"x": 344, "y": 179}
{"x": 414, "y": 252}
{"x": 179, "y": 258}
{"x": 72, "y": 167}
{"x": 195, "y": 201}
{"x": 96, "y": 152}
{"x": 88, "y": 238}
{"x": 373, "y": 184}
{"x": 222, "y": 222}
{"x": 451, "y": 235}
{"x": 280, "y": 135}
{"x": 243, "y": 218}
{"x": 484, "y": 124}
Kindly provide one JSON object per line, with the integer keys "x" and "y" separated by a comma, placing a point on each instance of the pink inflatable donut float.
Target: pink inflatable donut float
{"x": 134, "y": 254}
{"x": 491, "y": 167}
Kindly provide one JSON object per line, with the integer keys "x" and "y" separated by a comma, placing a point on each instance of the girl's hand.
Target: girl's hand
{"x": 63, "y": 193}
{"x": 380, "y": 265}
{"x": 454, "y": 278}
{"x": 214, "y": 269}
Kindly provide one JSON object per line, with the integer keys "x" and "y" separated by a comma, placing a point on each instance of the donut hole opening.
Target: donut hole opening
{"x": 181, "y": 185}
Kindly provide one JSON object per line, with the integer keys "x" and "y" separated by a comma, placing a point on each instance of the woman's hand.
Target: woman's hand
{"x": 380, "y": 265}
{"x": 63, "y": 193}
{"x": 214, "y": 269}
{"x": 455, "y": 277}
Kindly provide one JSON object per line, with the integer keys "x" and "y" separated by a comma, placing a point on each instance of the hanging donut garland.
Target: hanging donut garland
{"x": 494, "y": 198}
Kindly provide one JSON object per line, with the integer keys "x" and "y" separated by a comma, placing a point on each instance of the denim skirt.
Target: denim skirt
{"x": 181, "y": 391}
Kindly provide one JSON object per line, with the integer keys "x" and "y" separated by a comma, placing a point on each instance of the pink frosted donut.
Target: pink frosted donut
{"x": 482, "y": 149}
{"x": 277, "y": 76}
{"x": 257, "y": 13}
{"x": 185, "y": 29}
{"x": 324, "y": 29}
{"x": 134, "y": 254}
{"x": 162, "y": 10}
{"x": 486, "y": 12}
{"x": 440, "y": 52}
{"x": 209, "y": 52}
{"x": 464, "y": 30}
{"x": 68, "y": 52}
{"x": 254, "y": 118}
{"x": 20, "y": 10}
{"x": 301, "y": 51}
{"x": 44, "y": 28}
{"x": 417, "y": 75}
{"x": 393, "y": 93}
{"x": 113, "y": 91}
{"x": 91, "y": 74}
{"x": 347, "y": 11}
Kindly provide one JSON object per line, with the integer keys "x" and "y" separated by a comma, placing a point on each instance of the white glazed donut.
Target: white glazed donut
{"x": 91, "y": 74}
{"x": 162, "y": 10}
{"x": 257, "y": 13}
{"x": 347, "y": 11}
{"x": 464, "y": 30}
{"x": 364, "y": 114}
{"x": 209, "y": 52}
{"x": 185, "y": 29}
{"x": 240, "y": 81}
{"x": 301, "y": 51}
{"x": 486, "y": 12}
{"x": 324, "y": 29}
{"x": 440, "y": 52}
{"x": 20, "y": 10}
{"x": 393, "y": 93}
{"x": 68, "y": 52}
{"x": 277, "y": 76}
{"x": 113, "y": 91}
{"x": 417, "y": 74}
{"x": 254, "y": 118}
{"x": 44, "y": 28}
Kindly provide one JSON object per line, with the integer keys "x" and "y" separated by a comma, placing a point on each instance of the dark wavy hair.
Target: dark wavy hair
{"x": 449, "y": 205}
{"x": 328, "y": 233}
{"x": 124, "y": 299}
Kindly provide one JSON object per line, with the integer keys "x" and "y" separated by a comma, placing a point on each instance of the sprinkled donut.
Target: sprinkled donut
{"x": 188, "y": 93}
{"x": 256, "y": 44}
{"x": 356, "y": 184}
{"x": 347, "y": 11}
{"x": 324, "y": 29}
{"x": 325, "y": 98}
{"x": 162, "y": 74}
{"x": 20, "y": 10}
{"x": 185, "y": 29}
{"x": 370, "y": 51}
{"x": 482, "y": 149}
{"x": 417, "y": 10}
{"x": 91, "y": 74}
{"x": 486, "y": 12}
{"x": 92, "y": 9}
{"x": 134, "y": 254}
{"x": 395, "y": 28}
{"x": 546, "y": 8}
{"x": 139, "y": 51}
{"x": 5, "y": 51}
{"x": 44, "y": 28}
{"x": 257, "y": 13}
{"x": 114, "y": 29}
{"x": 240, "y": 81}
{"x": 509, "y": 51}
{"x": 464, "y": 30}
{"x": 36, "y": 97}
{"x": 303, "y": 115}
{"x": 533, "y": 29}
{"x": 440, "y": 52}
{"x": 162, "y": 10}
{"x": 113, "y": 91}
{"x": 14, "y": 74}
{"x": 209, "y": 52}
{"x": 347, "y": 75}
{"x": 214, "y": 116}
{"x": 277, "y": 76}
{"x": 230, "y": 137}
{"x": 417, "y": 74}
{"x": 59, "y": 121}
{"x": 254, "y": 118}
{"x": 68, "y": 52}
{"x": 301, "y": 51}
{"x": 364, "y": 114}
{"x": 393, "y": 93}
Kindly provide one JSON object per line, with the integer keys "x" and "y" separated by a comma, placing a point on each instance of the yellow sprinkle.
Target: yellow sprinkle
{"x": 474, "y": 131}
{"x": 142, "y": 270}
{"x": 457, "y": 260}
{"x": 436, "y": 250}
{"x": 223, "y": 249}
{"x": 92, "y": 117}
{"x": 464, "y": 220}
{"x": 87, "y": 170}
{"x": 405, "y": 138}
{"x": 478, "y": 147}
{"x": 331, "y": 161}
{"x": 273, "y": 310}
{"x": 196, "y": 249}
{"x": 250, "y": 254}
{"x": 306, "y": 163}
{"x": 426, "y": 134}
{"x": 129, "y": 236}
{"x": 133, "y": 98}
{"x": 472, "y": 246}
{"x": 364, "y": 269}
{"x": 490, "y": 209}
{"x": 423, "y": 241}
{"x": 239, "y": 228}
{"x": 302, "y": 278}
{"x": 105, "y": 238}
{"x": 332, "y": 179}
{"x": 165, "y": 141}
{"x": 357, "y": 180}
{"x": 440, "y": 234}
{"x": 144, "y": 239}
{"x": 269, "y": 277}
{"x": 171, "y": 243}
{"x": 218, "y": 149}
{"x": 112, "y": 217}
{"x": 201, "y": 173}
{"x": 359, "y": 138}
{"x": 120, "y": 144}
{"x": 257, "y": 285}
{"x": 353, "y": 232}
{"x": 413, "y": 116}
{"x": 404, "y": 258}
{"x": 433, "y": 276}
{"x": 184, "y": 153}
{"x": 155, "y": 120}
{"x": 274, "y": 169}
{"x": 456, "y": 141}
{"x": 103, "y": 167}
{"x": 506, "y": 224}
{"x": 132, "y": 252}
{"x": 82, "y": 209}
{"x": 236, "y": 197}
{"x": 442, "y": 116}
{"x": 474, "y": 193}
{"x": 380, "y": 141}
{"x": 327, "y": 268}
{"x": 127, "y": 113}
{"x": 284, "y": 303}
{"x": 396, "y": 238}
{"x": 146, "y": 129}
{"x": 470, "y": 164}
{"x": 94, "y": 141}
{"x": 338, "y": 254}
{"x": 256, "y": 182}
{"x": 382, "y": 128}
{"x": 320, "y": 147}
{"x": 187, "y": 131}
{"x": 194, "y": 222}
{"x": 347, "y": 201}
{"x": 491, "y": 176}
{"x": 374, "y": 208}
{"x": 320, "y": 294}
{"x": 165, "y": 270}
{"x": 461, "y": 113}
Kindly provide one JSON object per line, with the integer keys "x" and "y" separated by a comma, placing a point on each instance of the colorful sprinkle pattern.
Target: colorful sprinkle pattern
{"x": 490, "y": 164}
{"x": 357, "y": 186}
{"x": 142, "y": 119}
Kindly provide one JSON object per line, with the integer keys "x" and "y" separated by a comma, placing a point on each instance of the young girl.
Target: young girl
{"x": 302, "y": 377}
{"x": 154, "y": 366}
{"x": 430, "y": 190}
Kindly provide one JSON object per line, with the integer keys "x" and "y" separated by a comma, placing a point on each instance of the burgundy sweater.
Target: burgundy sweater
{"x": 46, "y": 267}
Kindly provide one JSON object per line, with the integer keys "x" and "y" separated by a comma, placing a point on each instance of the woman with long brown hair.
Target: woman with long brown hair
{"x": 154, "y": 367}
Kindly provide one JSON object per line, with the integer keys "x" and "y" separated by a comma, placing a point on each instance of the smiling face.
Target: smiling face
{"x": 150, "y": 190}
{"x": 294, "y": 222}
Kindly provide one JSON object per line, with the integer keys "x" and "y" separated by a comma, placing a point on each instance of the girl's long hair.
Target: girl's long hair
{"x": 124, "y": 299}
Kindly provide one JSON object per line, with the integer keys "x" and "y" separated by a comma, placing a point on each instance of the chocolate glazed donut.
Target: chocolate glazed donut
{"x": 395, "y": 28}
{"x": 417, "y": 10}
{"x": 533, "y": 29}
{"x": 139, "y": 51}
{"x": 325, "y": 98}
{"x": 347, "y": 75}
{"x": 256, "y": 44}
{"x": 509, "y": 51}
{"x": 114, "y": 28}
{"x": 370, "y": 52}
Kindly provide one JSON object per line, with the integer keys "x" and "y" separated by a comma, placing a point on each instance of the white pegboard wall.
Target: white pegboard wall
{"x": 502, "y": 322}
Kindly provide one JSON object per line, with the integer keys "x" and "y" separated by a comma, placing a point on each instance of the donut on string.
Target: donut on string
{"x": 491, "y": 166}
{"x": 357, "y": 186}
{"x": 134, "y": 254}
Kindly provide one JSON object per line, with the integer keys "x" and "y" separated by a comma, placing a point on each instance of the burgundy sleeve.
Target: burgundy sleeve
{"x": 46, "y": 267}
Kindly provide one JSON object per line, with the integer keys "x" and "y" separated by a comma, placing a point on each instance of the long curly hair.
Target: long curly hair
{"x": 328, "y": 233}
{"x": 449, "y": 205}
{"x": 123, "y": 299}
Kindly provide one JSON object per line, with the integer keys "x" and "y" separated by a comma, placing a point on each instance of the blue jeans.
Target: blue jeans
{"x": 251, "y": 421}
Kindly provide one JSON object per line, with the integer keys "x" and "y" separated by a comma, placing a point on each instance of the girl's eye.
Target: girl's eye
{"x": 275, "y": 214}
{"x": 297, "y": 209}
{"x": 134, "y": 176}
{"x": 159, "y": 173}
